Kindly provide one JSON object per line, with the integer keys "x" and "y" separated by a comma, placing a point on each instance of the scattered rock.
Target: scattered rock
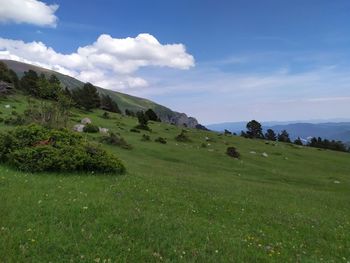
{"x": 264, "y": 154}
{"x": 103, "y": 130}
{"x": 207, "y": 138}
{"x": 336, "y": 182}
{"x": 79, "y": 127}
{"x": 252, "y": 152}
{"x": 7, "y": 106}
{"x": 86, "y": 121}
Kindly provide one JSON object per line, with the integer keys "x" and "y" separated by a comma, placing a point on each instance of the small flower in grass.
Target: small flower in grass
{"x": 85, "y": 207}
{"x": 216, "y": 251}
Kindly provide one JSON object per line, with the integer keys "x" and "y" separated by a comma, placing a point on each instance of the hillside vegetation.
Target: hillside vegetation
{"x": 124, "y": 101}
{"x": 179, "y": 201}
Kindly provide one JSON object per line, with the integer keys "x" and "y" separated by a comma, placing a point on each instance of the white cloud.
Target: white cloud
{"x": 108, "y": 62}
{"x": 28, "y": 11}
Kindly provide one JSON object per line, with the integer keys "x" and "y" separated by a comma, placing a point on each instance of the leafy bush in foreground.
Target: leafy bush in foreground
{"x": 34, "y": 148}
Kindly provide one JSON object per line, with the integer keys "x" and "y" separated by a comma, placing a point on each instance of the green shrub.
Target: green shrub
{"x": 143, "y": 127}
{"x": 182, "y": 137}
{"x": 161, "y": 140}
{"x": 15, "y": 120}
{"x": 106, "y": 115}
{"x": 90, "y": 128}
{"x": 1, "y": 119}
{"x": 115, "y": 139}
{"x": 145, "y": 138}
{"x": 14, "y": 113}
{"x": 135, "y": 130}
{"x": 231, "y": 151}
{"x": 35, "y": 149}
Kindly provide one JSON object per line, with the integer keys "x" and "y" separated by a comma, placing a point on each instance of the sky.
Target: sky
{"x": 219, "y": 61}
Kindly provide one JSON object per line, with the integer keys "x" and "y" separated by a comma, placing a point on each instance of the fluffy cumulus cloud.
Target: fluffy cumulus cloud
{"x": 109, "y": 62}
{"x": 28, "y": 11}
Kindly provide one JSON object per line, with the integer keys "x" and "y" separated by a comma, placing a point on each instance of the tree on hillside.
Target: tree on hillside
{"x": 142, "y": 118}
{"x": 87, "y": 97}
{"x": 298, "y": 141}
{"x": 326, "y": 144}
{"x": 48, "y": 88}
{"x": 270, "y": 135}
{"x": 227, "y": 132}
{"x": 54, "y": 80}
{"x": 8, "y": 75}
{"x": 108, "y": 104}
{"x": 254, "y": 130}
{"x": 283, "y": 136}
{"x": 129, "y": 113}
{"x": 29, "y": 82}
{"x": 151, "y": 115}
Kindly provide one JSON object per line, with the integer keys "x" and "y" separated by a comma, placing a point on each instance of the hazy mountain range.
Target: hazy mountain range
{"x": 336, "y": 129}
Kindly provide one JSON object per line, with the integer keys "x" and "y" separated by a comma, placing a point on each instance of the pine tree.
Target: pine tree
{"x": 283, "y": 137}
{"x": 270, "y": 135}
{"x": 254, "y": 130}
{"x": 87, "y": 97}
{"x": 108, "y": 104}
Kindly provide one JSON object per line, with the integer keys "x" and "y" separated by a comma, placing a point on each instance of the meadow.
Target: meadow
{"x": 180, "y": 202}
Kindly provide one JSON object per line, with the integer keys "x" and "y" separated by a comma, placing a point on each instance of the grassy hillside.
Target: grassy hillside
{"x": 180, "y": 202}
{"x": 124, "y": 101}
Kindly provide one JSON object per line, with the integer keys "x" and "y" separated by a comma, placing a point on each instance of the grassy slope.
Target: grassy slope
{"x": 181, "y": 202}
{"x": 124, "y": 101}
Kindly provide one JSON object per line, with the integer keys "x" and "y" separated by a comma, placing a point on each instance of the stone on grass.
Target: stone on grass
{"x": 103, "y": 130}
{"x": 79, "y": 127}
{"x": 264, "y": 154}
{"x": 86, "y": 121}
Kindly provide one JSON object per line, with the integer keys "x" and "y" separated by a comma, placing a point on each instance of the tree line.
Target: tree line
{"x": 255, "y": 131}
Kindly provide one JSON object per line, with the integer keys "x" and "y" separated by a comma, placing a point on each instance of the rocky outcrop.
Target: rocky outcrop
{"x": 180, "y": 119}
{"x": 5, "y": 88}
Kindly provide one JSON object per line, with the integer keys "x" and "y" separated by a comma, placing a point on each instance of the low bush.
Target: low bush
{"x": 143, "y": 127}
{"x": 35, "y": 149}
{"x": 182, "y": 137}
{"x": 232, "y": 151}
{"x": 135, "y": 130}
{"x": 161, "y": 140}
{"x": 90, "y": 128}
{"x": 14, "y": 120}
{"x": 145, "y": 138}
{"x": 116, "y": 139}
{"x": 106, "y": 115}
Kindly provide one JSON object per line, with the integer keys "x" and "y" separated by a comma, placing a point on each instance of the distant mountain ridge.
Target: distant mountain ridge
{"x": 327, "y": 130}
{"x": 124, "y": 101}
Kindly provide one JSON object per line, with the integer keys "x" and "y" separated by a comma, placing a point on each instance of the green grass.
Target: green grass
{"x": 180, "y": 202}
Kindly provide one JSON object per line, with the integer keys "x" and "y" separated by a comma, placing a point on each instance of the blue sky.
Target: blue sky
{"x": 239, "y": 60}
